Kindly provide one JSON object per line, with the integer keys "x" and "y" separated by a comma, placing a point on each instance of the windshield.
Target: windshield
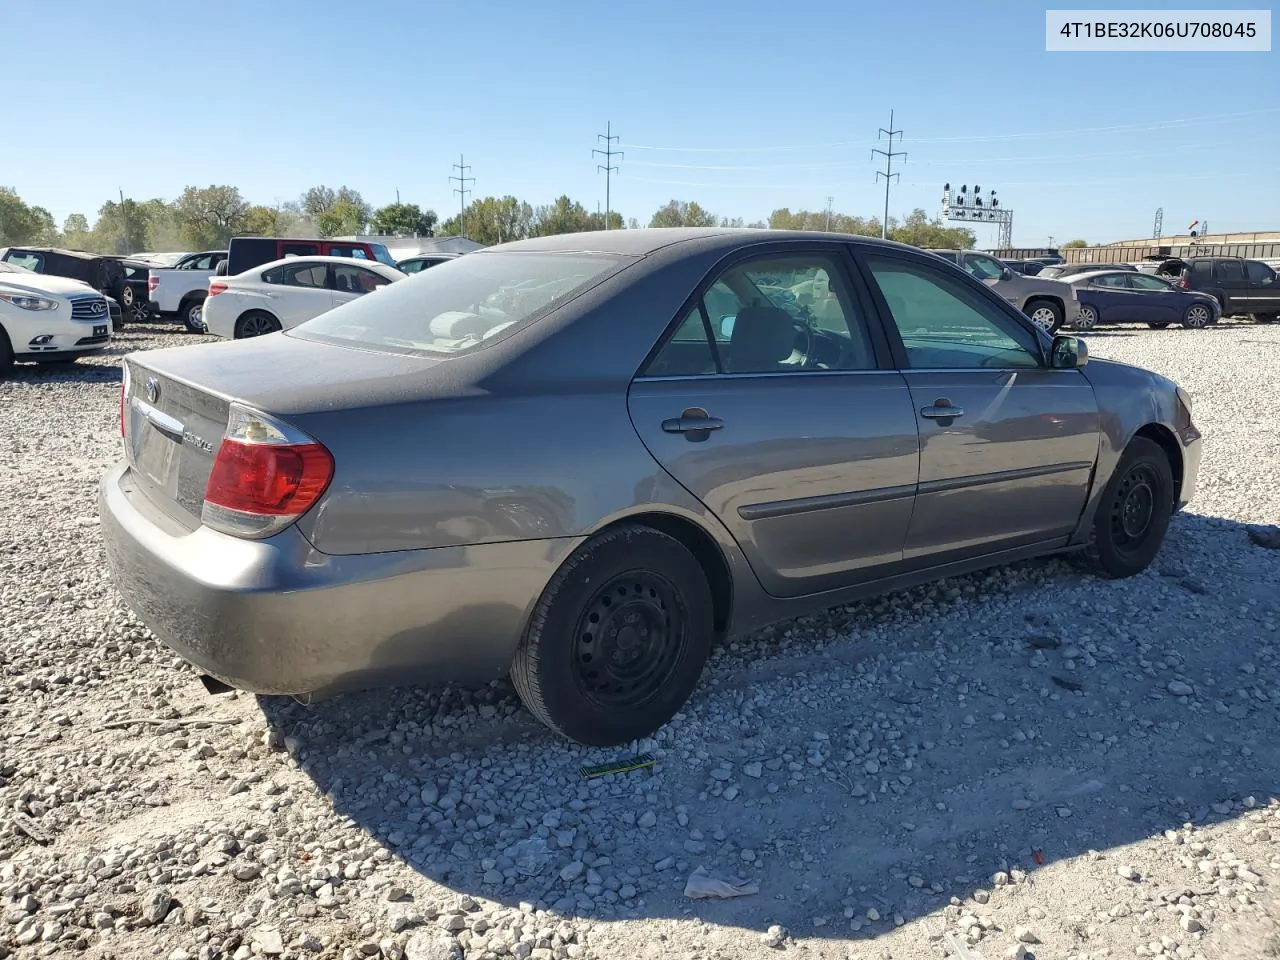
{"x": 12, "y": 268}
{"x": 464, "y": 304}
{"x": 382, "y": 254}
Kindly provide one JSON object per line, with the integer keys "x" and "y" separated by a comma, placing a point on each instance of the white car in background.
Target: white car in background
{"x": 49, "y": 319}
{"x": 284, "y": 293}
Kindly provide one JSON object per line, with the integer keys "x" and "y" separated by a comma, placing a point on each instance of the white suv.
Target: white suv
{"x": 48, "y": 319}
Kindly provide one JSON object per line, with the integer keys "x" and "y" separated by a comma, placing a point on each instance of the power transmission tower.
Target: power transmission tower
{"x": 829, "y": 199}
{"x": 1157, "y": 230}
{"x": 609, "y": 138}
{"x": 461, "y": 189}
{"x": 887, "y": 172}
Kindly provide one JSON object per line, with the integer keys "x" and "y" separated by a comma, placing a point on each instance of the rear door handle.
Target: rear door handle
{"x": 695, "y": 423}
{"x": 942, "y": 410}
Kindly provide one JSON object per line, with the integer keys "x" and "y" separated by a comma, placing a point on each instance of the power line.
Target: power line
{"x": 887, "y": 172}
{"x": 461, "y": 189}
{"x": 609, "y": 138}
{"x": 1044, "y": 134}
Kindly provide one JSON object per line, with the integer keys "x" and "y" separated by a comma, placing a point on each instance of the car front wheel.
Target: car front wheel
{"x": 1133, "y": 514}
{"x": 618, "y": 639}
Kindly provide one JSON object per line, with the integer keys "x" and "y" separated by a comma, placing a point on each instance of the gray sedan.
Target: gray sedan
{"x": 583, "y": 459}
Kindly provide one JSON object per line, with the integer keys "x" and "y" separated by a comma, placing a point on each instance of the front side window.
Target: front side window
{"x": 1258, "y": 272}
{"x": 946, "y": 325}
{"x": 464, "y": 305}
{"x": 200, "y": 263}
{"x": 984, "y": 268}
{"x": 776, "y": 315}
{"x": 411, "y": 266}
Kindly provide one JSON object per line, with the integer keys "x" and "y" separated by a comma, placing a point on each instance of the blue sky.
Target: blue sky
{"x": 756, "y": 105}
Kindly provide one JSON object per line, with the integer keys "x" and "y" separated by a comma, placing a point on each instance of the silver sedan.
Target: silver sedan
{"x": 584, "y": 459}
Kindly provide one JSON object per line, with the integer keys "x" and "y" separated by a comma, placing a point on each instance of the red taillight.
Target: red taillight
{"x": 216, "y": 287}
{"x": 265, "y": 476}
{"x": 152, "y": 283}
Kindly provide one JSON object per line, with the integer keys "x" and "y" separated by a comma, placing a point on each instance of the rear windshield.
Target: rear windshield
{"x": 464, "y": 304}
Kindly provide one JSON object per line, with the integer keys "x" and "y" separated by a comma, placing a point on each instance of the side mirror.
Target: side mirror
{"x": 1006, "y": 273}
{"x": 726, "y": 327}
{"x": 1068, "y": 353}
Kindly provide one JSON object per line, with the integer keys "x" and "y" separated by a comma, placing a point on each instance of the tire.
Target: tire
{"x": 1113, "y": 550}
{"x": 1265, "y": 317}
{"x": 1157, "y": 326}
{"x": 1045, "y": 314}
{"x": 135, "y": 310}
{"x": 255, "y": 323}
{"x": 1197, "y": 317}
{"x": 667, "y": 593}
{"x": 6, "y": 353}
{"x": 190, "y": 311}
{"x": 60, "y": 362}
{"x": 1087, "y": 320}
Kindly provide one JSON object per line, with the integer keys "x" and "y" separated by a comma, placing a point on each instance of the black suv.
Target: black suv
{"x": 1240, "y": 286}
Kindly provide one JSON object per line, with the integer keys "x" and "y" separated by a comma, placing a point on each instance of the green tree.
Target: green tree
{"x": 1075, "y": 243}
{"x": 784, "y": 219}
{"x": 561, "y": 216}
{"x": 75, "y": 231}
{"x": 323, "y": 200}
{"x": 19, "y": 223}
{"x": 344, "y": 218}
{"x": 919, "y": 230}
{"x": 404, "y": 220}
{"x": 633, "y": 224}
{"x": 260, "y": 221}
{"x": 682, "y": 213}
{"x": 596, "y": 221}
{"x": 492, "y": 220}
{"x": 210, "y": 216}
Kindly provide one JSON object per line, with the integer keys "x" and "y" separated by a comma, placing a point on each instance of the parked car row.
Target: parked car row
{"x": 1049, "y": 303}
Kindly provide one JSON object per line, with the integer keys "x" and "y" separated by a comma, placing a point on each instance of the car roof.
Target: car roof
{"x": 647, "y": 240}
{"x": 1101, "y": 271}
{"x": 79, "y": 254}
{"x": 373, "y": 265}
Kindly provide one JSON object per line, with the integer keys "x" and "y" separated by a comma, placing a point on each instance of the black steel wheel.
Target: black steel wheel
{"x": 1134, "y": 513}
{"x": 618, "y": 639}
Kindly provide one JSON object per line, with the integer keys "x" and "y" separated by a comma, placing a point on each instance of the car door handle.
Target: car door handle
{"x": 695, "y": 423}
{"x": 942, "y": 410}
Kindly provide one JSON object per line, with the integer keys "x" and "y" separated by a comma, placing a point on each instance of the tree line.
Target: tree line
{"x": 205, "y": 218}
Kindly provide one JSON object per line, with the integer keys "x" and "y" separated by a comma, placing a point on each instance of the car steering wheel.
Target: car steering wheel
{"x": 806, "y": 332}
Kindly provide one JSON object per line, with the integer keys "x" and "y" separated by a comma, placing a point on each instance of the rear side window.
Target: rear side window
{"x": 297, "y": 275}
{"x": 351, "y": 253}
{"x": 32, "y": 261}
{"x": 411, "y": 266}
{"x": 1201, "y": 272}
{"x": 463, "y": 305}
{"x": 1230, "y": 270}
{"x": 298, "y": 250}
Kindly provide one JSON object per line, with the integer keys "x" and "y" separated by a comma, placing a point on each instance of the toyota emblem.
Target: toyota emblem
{"x": 153, "y": 389}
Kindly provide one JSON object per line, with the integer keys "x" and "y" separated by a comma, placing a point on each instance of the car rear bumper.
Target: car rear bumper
{"x": 277, "y": 616}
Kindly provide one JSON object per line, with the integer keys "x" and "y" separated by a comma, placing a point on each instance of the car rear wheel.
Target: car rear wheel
{"x": 135, "y": 307}
{"x": 1265, "y": 317}
{"x": 256, "y": 323}
{"x": 618, "y": 639}
{"x": 192, "y": 313}
{"x": 1134, "y": 512}
{"x": 1087, "y": 320}
{"x": 1197, "y": 316}
{"x": 1045, "y": 314}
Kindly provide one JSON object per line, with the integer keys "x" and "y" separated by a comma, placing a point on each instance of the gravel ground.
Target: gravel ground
{"x": 1026, "y": 762}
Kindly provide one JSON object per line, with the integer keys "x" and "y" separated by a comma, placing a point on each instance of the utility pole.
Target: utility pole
{"x": 462, "y": 189}
{"x": 609, "y": 138}
{"x": 887, "y": 172}
{"x": 124, "y": 217}
{"x": 829, "y": 199}
{"x": 397, "y": 196}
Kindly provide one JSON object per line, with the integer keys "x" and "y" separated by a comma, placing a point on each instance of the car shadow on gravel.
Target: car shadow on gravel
{"x": 861, "y": 774}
